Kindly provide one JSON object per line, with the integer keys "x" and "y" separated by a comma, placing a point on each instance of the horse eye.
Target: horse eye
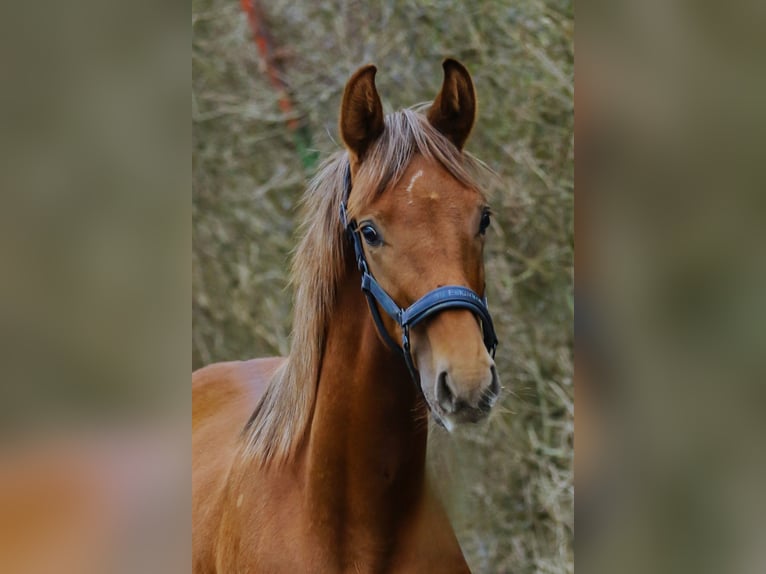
{"x": 371, "y": 235}
{"x": 485, "y": 220}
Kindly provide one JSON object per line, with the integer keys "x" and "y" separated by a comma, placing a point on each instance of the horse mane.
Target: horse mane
{"x": 281, "y": 419}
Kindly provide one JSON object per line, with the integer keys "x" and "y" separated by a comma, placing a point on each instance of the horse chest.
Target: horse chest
{"x": 275, "y": 535}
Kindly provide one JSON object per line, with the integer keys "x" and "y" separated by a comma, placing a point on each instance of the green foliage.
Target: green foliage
{"x": 509, "y": 483}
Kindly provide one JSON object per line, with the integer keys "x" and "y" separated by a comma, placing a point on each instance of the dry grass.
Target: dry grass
{"x": 509, "y": 482}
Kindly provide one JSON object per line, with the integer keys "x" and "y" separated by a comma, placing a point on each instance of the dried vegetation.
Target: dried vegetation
{"x": 508, "y": 483}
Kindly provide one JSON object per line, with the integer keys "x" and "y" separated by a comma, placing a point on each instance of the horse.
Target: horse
{"x": 316, "y": 462}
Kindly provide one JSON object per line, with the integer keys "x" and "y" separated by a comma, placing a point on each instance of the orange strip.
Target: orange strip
{"x": 264, "y": 44}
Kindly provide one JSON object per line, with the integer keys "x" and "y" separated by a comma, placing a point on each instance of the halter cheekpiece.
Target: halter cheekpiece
{"x": 436, "y": 301}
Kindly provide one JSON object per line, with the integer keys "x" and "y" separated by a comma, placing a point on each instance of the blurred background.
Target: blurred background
{"x": 267, "y": 79}
{"x": 95, "y": 236}
{"x": 671, "y": 276}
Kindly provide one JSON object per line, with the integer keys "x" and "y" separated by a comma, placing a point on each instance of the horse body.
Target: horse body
{"x": 354, "y": 499}
{"x": 316, "y": 463}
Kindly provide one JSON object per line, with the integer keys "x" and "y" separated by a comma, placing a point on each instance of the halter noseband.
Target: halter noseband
{"x": 436, "y": 301}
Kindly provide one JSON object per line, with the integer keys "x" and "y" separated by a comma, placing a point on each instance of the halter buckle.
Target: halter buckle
{"x": 343, "y": 215}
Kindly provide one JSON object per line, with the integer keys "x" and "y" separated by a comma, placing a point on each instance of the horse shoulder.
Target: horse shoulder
{"x": 224, "y": 396}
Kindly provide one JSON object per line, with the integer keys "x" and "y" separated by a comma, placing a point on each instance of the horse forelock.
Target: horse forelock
{"x": 407, "y": 133}
{"x": 282, "y": 417}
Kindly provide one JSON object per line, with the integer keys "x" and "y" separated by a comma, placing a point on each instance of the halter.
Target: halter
{"x": 433, "y": 302}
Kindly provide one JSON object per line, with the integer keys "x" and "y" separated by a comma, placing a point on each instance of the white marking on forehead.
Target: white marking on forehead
{"x": 414, "y": 179}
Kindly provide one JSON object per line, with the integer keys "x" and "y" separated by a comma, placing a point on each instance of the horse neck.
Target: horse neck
{"x": 367, "y": 443}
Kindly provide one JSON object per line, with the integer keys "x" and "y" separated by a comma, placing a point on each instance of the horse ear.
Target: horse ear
{"x": 361, "y": 113}
{"x": 454, "y": 109}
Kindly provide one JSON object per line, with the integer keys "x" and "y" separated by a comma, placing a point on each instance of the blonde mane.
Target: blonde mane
{"x": 282, "y": 417}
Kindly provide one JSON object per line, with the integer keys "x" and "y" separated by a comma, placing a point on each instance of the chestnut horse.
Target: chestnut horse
{"x": 316, "y": 462}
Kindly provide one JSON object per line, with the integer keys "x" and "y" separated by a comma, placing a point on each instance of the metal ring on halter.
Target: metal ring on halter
{"x": 436, "y": 301}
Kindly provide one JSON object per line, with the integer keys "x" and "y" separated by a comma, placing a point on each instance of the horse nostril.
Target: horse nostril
{"x": 489, "y": 396}
{"x": 494, "y": 386}
{"x": 444, "y": 395}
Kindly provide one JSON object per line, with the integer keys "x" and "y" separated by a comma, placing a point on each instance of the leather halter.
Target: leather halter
{"x": 436, "y": 301}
